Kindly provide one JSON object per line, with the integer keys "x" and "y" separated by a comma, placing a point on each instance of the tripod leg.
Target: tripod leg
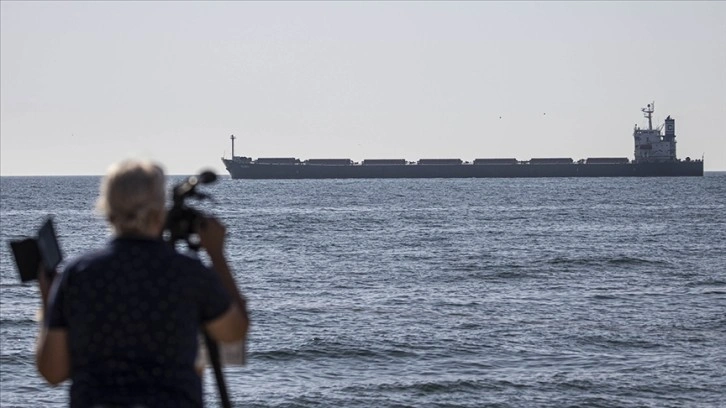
{"x": 213, "y": 351}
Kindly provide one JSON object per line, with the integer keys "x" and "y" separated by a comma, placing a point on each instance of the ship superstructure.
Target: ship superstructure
{"x": 651, "y": 145}
{"x": 655, "y": 155}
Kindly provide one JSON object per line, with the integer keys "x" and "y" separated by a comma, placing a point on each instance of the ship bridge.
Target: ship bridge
{"x": 651, "y": 145}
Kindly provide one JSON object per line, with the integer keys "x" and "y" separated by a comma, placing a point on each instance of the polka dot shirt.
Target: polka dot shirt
{"x": 133, "y": 312}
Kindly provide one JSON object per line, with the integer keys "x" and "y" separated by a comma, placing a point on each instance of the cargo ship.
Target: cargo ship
{"x": 654, "y": 156}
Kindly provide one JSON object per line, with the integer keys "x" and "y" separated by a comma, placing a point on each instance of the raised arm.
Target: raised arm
{"x": 52, "y": 355}
{"x": 233, "y": 324}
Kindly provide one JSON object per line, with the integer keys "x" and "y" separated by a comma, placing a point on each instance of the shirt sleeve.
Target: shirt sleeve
{"x": 214, "y": 299}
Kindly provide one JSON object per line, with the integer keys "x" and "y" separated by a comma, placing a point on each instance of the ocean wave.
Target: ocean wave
{"x": 619, "y": 342}
{"x": 707, "y": 283}
{"x": 11, "y": 360}
{"x": 508, "y": 274}
{"x": 422, "y": 387}
{"x": 605, "y": 297}
{"x": 324, "y": 350}
{"x": 600, "y": 261}
{"x": 18, "y": 321}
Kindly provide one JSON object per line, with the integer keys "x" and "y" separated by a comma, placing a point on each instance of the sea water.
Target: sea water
{"x": 560, "y": 292}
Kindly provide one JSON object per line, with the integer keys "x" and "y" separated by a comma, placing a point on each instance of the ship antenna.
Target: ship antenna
{"x": 232, "y": 139}
{"x": 648, "y": 111}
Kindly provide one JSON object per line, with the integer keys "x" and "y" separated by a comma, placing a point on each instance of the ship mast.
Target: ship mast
{"x": 648, "y": 112}
{"x": 232, "y": 139}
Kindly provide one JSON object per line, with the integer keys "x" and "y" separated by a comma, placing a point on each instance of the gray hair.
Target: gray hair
{"x": 131, "y": 193}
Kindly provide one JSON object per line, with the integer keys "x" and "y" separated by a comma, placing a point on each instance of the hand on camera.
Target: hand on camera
{"x": 211, "y": 235}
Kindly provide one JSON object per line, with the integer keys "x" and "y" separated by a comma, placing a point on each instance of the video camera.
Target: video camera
{"x": 182, "y": 221}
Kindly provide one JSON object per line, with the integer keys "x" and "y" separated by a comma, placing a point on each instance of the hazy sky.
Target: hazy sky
{"x": 85, "y": 84}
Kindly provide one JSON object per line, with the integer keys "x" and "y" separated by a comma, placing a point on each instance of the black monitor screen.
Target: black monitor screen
{"x": 48, "y": 245}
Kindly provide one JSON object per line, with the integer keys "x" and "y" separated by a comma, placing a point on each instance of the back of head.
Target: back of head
{"x": 133, "y": 197}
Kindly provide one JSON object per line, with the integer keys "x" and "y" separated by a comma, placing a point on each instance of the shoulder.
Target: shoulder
{"x": 87, "y": 260}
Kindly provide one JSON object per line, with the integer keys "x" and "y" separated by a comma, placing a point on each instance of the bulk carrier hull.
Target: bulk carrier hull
{"x": 312, "y": 171}
{"x": 655, "y": 156}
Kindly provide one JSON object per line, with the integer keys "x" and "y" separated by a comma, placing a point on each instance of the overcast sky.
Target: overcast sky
{"x": 85, "y": 84}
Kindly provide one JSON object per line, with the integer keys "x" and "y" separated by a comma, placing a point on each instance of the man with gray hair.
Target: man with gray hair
{"x": 122, "y": 322}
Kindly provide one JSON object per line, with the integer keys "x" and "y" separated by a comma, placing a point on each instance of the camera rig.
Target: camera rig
{"x": 182, "y": 224}
{"x": 182, "y": 221}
